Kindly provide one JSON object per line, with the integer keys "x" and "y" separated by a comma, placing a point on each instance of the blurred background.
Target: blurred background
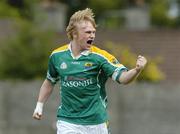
{"x": 30, "y": 30}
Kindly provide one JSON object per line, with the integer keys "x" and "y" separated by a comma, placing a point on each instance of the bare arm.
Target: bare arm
{"x": 128, "y": 76}
{"x": 45, "y": 92}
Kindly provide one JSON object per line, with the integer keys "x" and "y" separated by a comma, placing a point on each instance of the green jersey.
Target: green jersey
{"x": 82, "y": 83}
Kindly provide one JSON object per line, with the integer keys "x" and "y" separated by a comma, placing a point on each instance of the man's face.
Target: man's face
{"x": 85, "y": 34}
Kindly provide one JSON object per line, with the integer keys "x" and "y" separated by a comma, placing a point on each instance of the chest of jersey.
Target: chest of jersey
{"x": 77, "y": 76}
{"x": 76, "y": 69}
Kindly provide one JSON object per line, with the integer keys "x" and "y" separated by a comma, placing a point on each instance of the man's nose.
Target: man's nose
{"x": 92, "y": 35}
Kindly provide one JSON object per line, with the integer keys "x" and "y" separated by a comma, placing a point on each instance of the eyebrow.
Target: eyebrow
{"x": 90, "y": 31}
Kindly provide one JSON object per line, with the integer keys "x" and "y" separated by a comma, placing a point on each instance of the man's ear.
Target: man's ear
{"x": 75, "y": 34}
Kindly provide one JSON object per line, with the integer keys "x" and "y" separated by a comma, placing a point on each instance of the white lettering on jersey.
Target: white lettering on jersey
{"x": 77, "y": 83}
{"x": 75, "y": 62}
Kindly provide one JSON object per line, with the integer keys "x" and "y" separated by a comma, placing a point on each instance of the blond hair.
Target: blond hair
{"x": 78, "y": 16}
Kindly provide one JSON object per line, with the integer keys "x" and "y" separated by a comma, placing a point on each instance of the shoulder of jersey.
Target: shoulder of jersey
{"x": 110, "y": 58}
{"x": 60, "y": 49}
{"x": 102, "y": 53}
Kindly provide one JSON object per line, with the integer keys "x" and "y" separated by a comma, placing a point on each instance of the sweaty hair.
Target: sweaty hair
{"x": 81, "y": 15}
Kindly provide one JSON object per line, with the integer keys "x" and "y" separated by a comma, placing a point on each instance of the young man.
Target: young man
{"x": 82, "y": 70}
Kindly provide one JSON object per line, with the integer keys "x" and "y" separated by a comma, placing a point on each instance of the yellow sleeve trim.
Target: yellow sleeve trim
{"x": 106, "y": 55}
{"x": 60, "y": 49}
{"x": 102, "y": 52}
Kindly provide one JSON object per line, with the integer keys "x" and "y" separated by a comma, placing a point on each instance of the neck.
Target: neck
{"x": 75, "y": 48}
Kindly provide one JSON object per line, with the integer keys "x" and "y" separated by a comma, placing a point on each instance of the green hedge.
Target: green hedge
{"x": 25, "y": 55}
{"x": 7, "y": 11}
{"x": 159, "y": 15}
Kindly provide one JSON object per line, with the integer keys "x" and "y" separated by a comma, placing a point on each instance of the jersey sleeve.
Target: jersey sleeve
{"x": 52, "y": 74}
{"x": 112, "y": 67}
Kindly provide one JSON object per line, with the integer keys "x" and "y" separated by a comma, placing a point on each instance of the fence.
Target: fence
{"x": 133, "y": 109}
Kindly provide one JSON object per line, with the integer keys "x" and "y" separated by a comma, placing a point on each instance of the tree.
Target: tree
{"x": 74, "y": 5}
{"x": 23, "y": 6}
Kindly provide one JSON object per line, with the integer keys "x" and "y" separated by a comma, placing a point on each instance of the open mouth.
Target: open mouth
{"x": 89, "y": 41}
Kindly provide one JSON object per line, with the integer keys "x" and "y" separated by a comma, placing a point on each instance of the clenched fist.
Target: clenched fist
{"x": 38, "y": 111}
{"x": 140, "y": 63}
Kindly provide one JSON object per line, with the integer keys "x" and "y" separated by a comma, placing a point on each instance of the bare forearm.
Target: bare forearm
{"x": 45, "y": 91}
{"x": 128, "y": 76}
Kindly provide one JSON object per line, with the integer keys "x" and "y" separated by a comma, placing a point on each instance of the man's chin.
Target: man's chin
{"x": 88, "y": 47}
